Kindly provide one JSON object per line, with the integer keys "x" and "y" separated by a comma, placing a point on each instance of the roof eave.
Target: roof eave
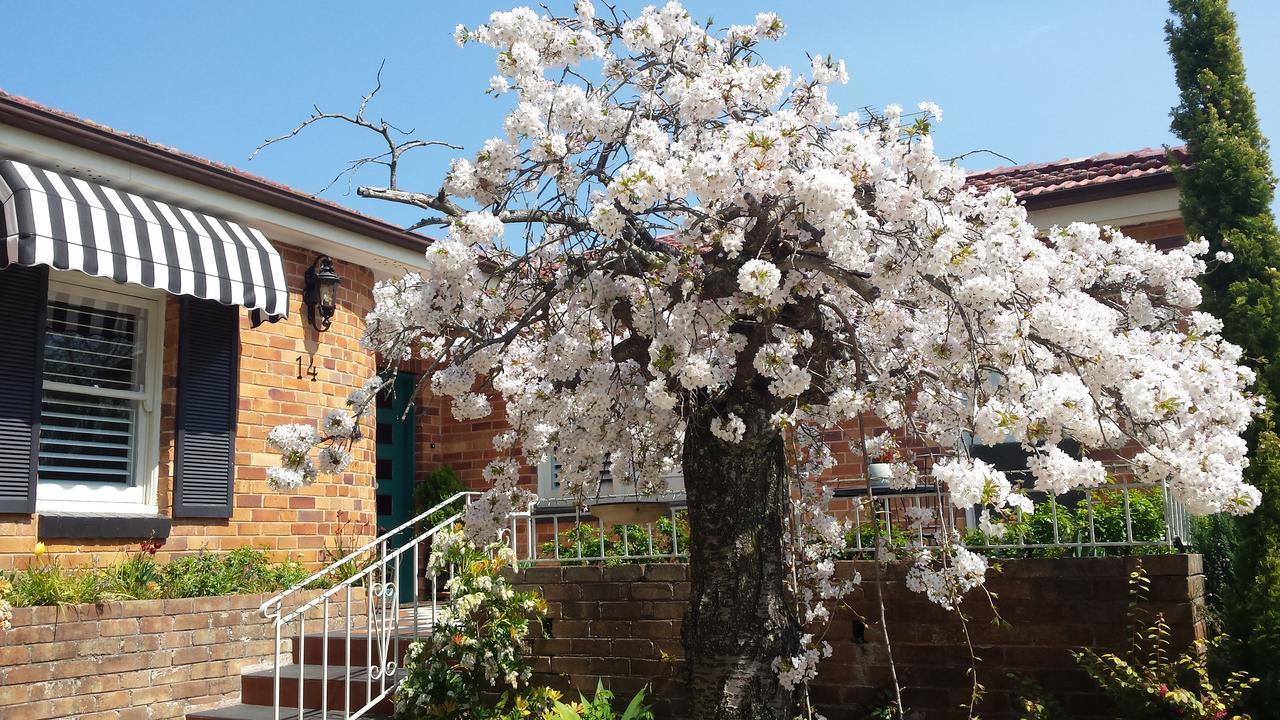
{"x": 54, "y": 126}
{"x": 1100, "y": 191}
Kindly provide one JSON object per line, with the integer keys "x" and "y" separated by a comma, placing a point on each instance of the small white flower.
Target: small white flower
{"x": 759, "y": 277}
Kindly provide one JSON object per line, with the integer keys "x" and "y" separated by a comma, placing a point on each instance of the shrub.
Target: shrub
{"x": 245, "y": 570}
{"x": 1146, "y": 518}
{"x": 438, "y": 485}
{"x": 1150, "y": 682}
{"x": 476, "y": 644}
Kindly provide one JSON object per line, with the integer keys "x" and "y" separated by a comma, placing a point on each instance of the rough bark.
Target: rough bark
{"x": 738, "y": 619}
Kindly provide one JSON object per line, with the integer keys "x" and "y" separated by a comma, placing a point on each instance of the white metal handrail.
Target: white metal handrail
{"x": 380, "y": 615}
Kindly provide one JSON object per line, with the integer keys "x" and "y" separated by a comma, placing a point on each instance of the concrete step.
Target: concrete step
{"x": 256, "y": 687}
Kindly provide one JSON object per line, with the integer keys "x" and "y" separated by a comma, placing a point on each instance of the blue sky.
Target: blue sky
{"x": 1034, "y": 81}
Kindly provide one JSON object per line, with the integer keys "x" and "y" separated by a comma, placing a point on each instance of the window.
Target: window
{"x": 549, "y": 483}
{"x": 99, "y": 419}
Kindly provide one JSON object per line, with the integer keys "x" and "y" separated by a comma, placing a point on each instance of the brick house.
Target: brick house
{"x": 156, "y": 330}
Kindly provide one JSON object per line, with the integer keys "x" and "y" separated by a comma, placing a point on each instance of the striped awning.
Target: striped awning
{"x": 68, "y": 223}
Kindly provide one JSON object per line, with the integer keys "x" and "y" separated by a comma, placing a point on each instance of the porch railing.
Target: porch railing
{"x": 360, "y": 615}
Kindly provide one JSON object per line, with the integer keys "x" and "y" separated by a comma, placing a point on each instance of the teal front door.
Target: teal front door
{"x": 394, "y": 472}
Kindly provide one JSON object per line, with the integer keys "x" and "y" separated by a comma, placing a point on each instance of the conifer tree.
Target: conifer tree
{"x": 1227, "y": 190}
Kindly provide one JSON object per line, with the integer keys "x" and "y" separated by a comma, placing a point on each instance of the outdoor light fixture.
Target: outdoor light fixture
{"x": 321, "y": 293}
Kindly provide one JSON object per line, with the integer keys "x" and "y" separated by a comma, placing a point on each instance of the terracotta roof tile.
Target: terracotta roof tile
{"x": 1038, "y": 179}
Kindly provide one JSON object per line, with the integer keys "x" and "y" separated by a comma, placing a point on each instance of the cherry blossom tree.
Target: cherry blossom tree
{"x": 678, "y": 255}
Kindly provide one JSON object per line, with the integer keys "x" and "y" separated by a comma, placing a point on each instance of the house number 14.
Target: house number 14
{"x": 311, "y": 368}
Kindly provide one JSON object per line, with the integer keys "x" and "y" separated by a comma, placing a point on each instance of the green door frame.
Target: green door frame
{"x": 394, "y": 476}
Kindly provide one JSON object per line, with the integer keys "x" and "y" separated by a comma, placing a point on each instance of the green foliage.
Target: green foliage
{"x": 585, "y": 540}
{"x": 438, "y": 485}
{"x": 246, "y": 570}
{"x": 243, "y": 570}
{"x": 1226, "y": 196}
{"x": 866, "y": 534}
{"x": 1150, "y": 682}
{"x": 346, "y": 538}
{"x": 476, "y": 643}
{"x": 47, "y": 583}
{"x": 1146, "y": 517}
{"x": 600, "y": 708}
{"x": 1031, "y": 702}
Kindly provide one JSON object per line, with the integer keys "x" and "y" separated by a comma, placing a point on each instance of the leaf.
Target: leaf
{"x": 635, "y": 707}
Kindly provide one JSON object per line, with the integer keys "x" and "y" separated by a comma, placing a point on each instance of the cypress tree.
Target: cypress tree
{"x": 1226, "y": 192}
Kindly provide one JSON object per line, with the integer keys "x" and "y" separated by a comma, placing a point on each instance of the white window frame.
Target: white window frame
{"x": 549, "y": 489}
{"x": 105, "y": 497}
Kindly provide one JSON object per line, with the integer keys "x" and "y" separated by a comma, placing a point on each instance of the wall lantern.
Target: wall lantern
{"x": 321, "y": 293}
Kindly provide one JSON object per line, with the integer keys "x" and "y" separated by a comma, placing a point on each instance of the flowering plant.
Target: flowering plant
{"x": 675, "y": 252}
{"x": 1150, "y": 681}
{"x": 477, "y": 642}
{"x": 6, "y": 610}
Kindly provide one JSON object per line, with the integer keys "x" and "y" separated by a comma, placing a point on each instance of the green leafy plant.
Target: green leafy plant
{"x": 346, "y": 538}
{"x": 868, "y": 533}
{"x": 138, "y": 578}
{"x": 45, "y": 582}
{"x": 1032, "y": 702}
{"x": 1107, "y": 507}
{"x": 1150, "y": 682}
{"x": 600, "y": 707}
{"x": 436, "y": 487}
{"x": 243, "y": 570}
{"x": 476, "y": 644}
{"x": 621, "y": 544}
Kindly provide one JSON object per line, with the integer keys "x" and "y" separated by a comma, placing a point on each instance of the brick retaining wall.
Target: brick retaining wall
{"x": 622, "y": 625}
{"x": 135, "y": 660}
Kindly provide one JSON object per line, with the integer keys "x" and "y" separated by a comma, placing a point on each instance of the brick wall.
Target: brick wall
{"x": 147, "y": 659}
{"x": 622, "y": 625}
{"x": 270, "y": 393}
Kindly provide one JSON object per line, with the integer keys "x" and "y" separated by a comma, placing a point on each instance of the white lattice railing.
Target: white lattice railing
{"x": 363, "y": 614}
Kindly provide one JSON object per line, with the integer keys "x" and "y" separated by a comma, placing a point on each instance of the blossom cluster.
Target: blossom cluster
{"x": 698, "y": 229}
{"x": 476, "y": 640}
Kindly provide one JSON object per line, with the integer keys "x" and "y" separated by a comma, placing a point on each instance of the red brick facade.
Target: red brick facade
{"x": 138, "y": 660}
{"x": 621, "y": 625}
{"x": 270, "y": 393}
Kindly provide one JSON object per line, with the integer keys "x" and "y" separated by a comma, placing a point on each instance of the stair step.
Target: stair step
{"x": 361, "y": 649}
{"x": 263, "y": 712}
{"x": 257, "y": 687}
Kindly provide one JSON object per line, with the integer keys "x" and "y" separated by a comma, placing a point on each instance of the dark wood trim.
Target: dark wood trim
{"x": 100, "y": 140}
{"x": 87, "y": 525}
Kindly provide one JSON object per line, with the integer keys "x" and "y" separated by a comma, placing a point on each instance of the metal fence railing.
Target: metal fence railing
{"x": 1117, "y": 518}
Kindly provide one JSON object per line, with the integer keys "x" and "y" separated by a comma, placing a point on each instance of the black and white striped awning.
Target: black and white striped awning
{"x": 68, "y": 223}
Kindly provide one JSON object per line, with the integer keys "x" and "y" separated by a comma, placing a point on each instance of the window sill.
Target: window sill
{"x": 95, "y": 525}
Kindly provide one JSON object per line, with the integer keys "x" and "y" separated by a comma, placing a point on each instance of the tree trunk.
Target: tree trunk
{"x": 738, "y": 620}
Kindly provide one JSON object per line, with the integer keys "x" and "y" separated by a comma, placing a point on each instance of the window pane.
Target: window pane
{"x": 86, "y": 438}
{"x": 96, "y": 344}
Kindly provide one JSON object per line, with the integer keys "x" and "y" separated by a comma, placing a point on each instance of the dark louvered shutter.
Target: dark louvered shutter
{"x": 208, "y": 363}
{"x": 24, "y": 296}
